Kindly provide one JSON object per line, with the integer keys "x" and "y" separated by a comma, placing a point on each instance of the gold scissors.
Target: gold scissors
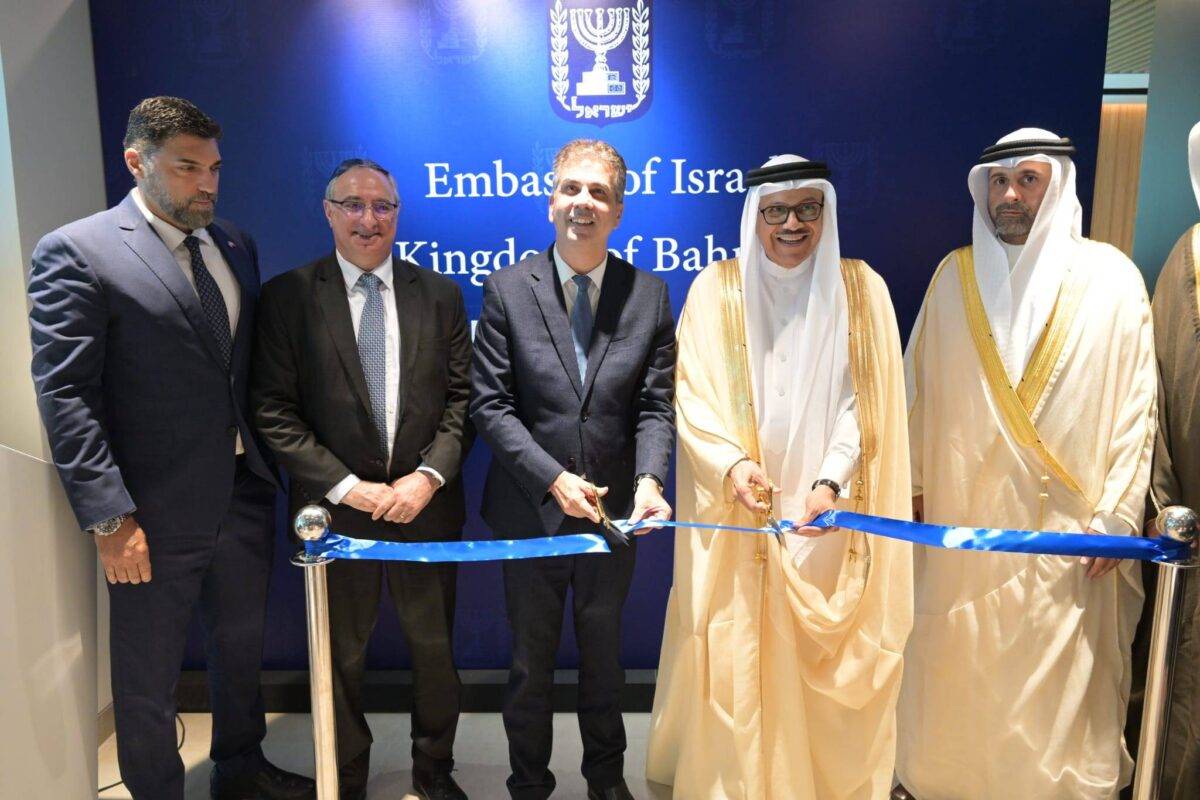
{"x": 765, "y": 496}
{"x": 605, "y": 520}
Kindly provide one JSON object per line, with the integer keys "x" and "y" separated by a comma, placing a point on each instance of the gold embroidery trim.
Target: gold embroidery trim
{"x": 1013, "y": 412}
{"x": 1051, "y": 342}
{"x": 1190, "y": 256}
{"x": 863, "y": 360}
{"x": 737, "y": 360}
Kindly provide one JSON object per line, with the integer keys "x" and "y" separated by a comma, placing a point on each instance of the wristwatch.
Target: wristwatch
{"x": 651, "y": 476}
{"x": 109, "y": 526}
{"x": 834, "y": 485}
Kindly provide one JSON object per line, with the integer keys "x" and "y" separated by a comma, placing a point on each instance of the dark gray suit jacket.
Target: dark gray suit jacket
{"x": 528, "y": 404}
{"x": 312, "y": 406}
{"x": 136, "y": 402}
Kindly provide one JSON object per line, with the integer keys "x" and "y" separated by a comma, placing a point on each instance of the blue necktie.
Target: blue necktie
{"x": 581, "y": 323}
{"x": 212, "y": 303}
{"x": 372, "y": 352}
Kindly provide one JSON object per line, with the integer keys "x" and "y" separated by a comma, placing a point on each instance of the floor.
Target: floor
{"x": 480, "y": 750}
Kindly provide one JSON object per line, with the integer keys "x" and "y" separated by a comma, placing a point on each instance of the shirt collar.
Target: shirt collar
{"x": 565, "y": 273}
{"x": 351, "y": 273}
{"x": 172, "y": 237}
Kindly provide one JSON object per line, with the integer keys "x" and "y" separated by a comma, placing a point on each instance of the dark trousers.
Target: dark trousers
{"x": 536, "y": 591}
{"x": 423, "y": 595}
{"x": 224, "y": 574}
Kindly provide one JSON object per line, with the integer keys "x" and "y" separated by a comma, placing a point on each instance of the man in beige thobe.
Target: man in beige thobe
{"x": 1031, "y": 390}
{"x": 781, "y": 660}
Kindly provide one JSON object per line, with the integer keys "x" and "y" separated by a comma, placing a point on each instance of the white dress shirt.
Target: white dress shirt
{"x": 357, "y": 297}
{"x": 566, "y": 275}
{"x": 218, "y": 267}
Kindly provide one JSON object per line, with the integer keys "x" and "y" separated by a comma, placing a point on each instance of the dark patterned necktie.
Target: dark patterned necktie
{"x": 581, "y": 323}
{"x": 211, "y": 301}
{"x": 372, "y": 352}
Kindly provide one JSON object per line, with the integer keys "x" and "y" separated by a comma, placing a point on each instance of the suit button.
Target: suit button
{"x": 584, "y": 416}
{"x": 232, "y": 430}
{"x": 377, "y": 462}
{"x": 570, "y": 465}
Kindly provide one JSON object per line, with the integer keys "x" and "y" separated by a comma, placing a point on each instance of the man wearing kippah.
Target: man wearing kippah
{"x": 1031, "y": 387}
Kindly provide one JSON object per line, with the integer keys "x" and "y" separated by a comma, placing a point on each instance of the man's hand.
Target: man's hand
{"x": 918, "y": 502}
{"x": 125, "y": 554}
{"x": 366, "y": 496}
{"x": 749, "y": 481}
{"x": 1098, "y": 567}
{"x": 819, "y": 500}
{"x": 648, "y": 504}
{"x": 576, "y": 497}
{"x": 409, "y": 497}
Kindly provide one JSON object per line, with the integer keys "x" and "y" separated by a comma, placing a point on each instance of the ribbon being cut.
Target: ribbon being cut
{"x": 1050, "y": 543}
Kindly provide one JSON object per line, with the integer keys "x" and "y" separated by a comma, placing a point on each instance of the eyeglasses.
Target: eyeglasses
{"x": 805, "y": 212}
{"x": 354, "y": 209}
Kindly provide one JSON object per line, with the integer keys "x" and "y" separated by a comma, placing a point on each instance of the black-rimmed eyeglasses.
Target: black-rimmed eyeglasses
{"x": 805, "y": 212}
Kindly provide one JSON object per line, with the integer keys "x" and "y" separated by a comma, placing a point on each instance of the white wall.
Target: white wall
{"x": 50, "y": 173}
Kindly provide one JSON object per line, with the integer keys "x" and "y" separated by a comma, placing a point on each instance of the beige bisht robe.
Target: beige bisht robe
{"x": 1017, "y": 671}
{"x": 1176, "y": 481}
{"x": 768, "y": 689}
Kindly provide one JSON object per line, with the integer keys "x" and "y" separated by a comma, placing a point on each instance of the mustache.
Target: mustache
{"x": 209, "y": 196}
{"x": 1016, "y": 205}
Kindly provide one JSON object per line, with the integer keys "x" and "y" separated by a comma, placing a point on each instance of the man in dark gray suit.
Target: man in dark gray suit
{"x": 572, "y": 388}
{"x": 141, "y": 319}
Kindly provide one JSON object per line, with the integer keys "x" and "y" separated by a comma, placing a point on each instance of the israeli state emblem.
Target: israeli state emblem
{"x": 599, "y": 60}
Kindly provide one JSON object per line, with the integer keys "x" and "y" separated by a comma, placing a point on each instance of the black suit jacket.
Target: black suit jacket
{"x": 528, "y": 404}
{"x": 312, "y": 407}
{"x": 132, "y": 389}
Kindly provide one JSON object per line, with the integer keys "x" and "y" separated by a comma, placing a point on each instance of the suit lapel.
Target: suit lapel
{"x": 145, "y": 244}
{"x": 238, "y": 260}
{"x": 409, "y": 315}
{"x": 613, "y": 293}
{"x": 549, "y": 297}
{"x": 335, "y": 307}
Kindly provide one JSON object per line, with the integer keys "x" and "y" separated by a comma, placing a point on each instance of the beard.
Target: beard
{"x": 1011, "y": 226}
{"x": 180, "y": 213}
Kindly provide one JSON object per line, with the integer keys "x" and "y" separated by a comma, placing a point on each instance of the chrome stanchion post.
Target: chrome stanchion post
{"x": 310, "y": 525}
{"x": 1178, "y": 523}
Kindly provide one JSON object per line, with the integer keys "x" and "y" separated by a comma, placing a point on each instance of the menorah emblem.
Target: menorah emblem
{"x": 600, "y": 34}
{"x": 614, "y": 82}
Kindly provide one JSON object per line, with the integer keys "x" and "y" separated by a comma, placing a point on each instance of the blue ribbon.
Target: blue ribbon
{"x": 952, "y": 537}
{"x": 996, "y": 540}
{"x": 335, "y": 546}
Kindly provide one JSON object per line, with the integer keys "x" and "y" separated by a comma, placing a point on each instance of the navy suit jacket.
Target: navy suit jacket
{"x": 139, "y": 410}
{"x": 539, "y": 419}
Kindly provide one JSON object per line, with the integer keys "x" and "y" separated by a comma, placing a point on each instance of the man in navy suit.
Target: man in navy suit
{"x": 572, "y": 387}
{"x": 141, "y": 320}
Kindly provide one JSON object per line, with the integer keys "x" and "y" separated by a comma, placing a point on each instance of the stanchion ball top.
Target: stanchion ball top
{"x": 311, "y": 523}
{"x": 1178, "y": 523}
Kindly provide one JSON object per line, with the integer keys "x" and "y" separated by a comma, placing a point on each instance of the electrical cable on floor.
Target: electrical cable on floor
{"x": 178, "y": 747}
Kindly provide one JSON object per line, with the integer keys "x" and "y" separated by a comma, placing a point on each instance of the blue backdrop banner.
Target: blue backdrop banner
{"x": 466, "y": 102}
